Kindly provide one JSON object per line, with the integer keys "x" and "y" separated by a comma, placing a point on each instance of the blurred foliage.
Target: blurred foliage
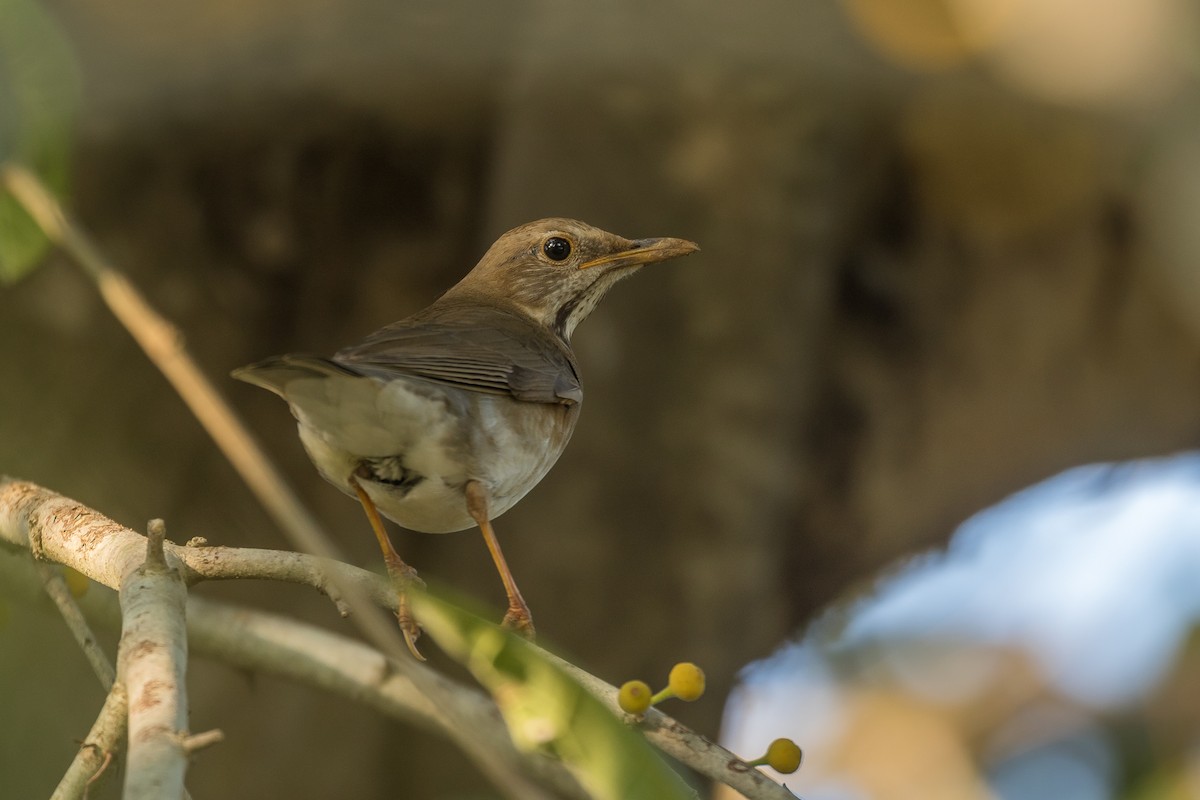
{"x": 547, "y": 709}
{"x": 971, "y": 721}
{"x": 39, "y": 94}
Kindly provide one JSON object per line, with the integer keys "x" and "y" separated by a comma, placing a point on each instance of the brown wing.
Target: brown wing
{"x": 475, "y": 347}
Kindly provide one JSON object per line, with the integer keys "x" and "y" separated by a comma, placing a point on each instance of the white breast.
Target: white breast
{"x": 448, "y": 438}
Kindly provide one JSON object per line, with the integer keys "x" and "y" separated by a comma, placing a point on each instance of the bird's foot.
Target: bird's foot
{"x": 403, "y": 576}
{"x": 519, "y": 620}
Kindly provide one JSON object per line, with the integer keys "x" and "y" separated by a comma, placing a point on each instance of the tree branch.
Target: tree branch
{"x": 276, "y": 645}
{"x": 96, "y": 752}
{"x": 256, "y": 640}
{"x": 152, "y": 663}
{"x": 56, "y": 588}
{"x": 62, "y": 530}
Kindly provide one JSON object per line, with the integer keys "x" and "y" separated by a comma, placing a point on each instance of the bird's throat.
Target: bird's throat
{"x": 576, "y": 307}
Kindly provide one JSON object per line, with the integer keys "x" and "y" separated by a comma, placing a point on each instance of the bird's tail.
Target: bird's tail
{"x": 275, "y": 373}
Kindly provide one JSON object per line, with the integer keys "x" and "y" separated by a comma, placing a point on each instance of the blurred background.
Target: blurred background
{"x": 950, "y": 250}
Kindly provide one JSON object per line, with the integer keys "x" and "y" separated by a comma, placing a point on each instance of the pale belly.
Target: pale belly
{"x": 431, "y": 443}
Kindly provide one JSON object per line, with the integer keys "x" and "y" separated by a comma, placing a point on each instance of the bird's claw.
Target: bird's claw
{"x": 408, "y": 625}
{"x": 403, "y": 577}
{"x": 520, "y": 621}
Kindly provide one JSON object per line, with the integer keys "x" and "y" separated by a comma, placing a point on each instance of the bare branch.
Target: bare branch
{"x": 97, "y": 749}
{"x": 162, "y": 344}
{"x": 276, "y": 645}
{"x": 57, "y": 588}
{"x": 66, "y": 531}
{"x": 152, "y": 663}
{"x": 194, "y": 742}
{"x": 156, "y": 535}
{"x": 58, "y": 529}
{"x": 257, "y": 640}
{"x": 230, "y": 563}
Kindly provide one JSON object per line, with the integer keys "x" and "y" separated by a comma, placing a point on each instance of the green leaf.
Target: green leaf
{"x": 39, "y": 94}
{"x": 547, "y": 709}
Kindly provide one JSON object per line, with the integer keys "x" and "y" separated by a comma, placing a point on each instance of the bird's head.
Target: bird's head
{"x": 556, "y": 270}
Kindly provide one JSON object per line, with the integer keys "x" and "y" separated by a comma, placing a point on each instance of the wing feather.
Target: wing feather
{"x": 475, "y": 347}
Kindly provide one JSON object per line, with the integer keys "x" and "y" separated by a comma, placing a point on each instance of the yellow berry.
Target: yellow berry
{"x": 634, "y": 697}
{"x": 77, "y": 582}
{"x": 783, "y": 755}
{"x": 686, "y": 681}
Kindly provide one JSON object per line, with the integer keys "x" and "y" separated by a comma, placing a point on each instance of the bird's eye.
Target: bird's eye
{"x": 556, "y": 248}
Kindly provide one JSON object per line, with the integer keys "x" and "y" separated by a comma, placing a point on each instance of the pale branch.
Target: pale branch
{"x": 62, "y": 530}
{"x": 195, "y": 742}
{"x": 275, "y": 645}
{"x": 95, "y": 754}
{"x": 217, "y": 563}
{"x": 152, "y": 663}
{"x": 281, "y": 646}
{"x": 29, "y": 514}
{"x": 56, "y": 587}
{"x": 58, "y": 529}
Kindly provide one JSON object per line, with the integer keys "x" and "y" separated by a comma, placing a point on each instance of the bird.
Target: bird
{"x": 446, "y": 419}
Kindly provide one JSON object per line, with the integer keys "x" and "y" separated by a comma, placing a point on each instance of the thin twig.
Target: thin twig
{"x": 162, "y": 344}
{"x": 96, "y": 752}
{"x": 195, "y": 742}
{"x": 156, "y": 537}
{"x": 60, "y": 593}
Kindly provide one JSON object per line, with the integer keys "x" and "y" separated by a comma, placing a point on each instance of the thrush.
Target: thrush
{"x": 444, "y": 420}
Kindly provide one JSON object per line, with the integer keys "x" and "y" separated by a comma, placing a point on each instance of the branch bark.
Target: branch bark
{"x": 152, "y": 664}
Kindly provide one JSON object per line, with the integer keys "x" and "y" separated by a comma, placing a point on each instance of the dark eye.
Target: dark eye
{"x": 556, "y": 248}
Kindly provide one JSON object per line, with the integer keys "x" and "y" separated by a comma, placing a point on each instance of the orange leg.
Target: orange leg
{"x": 518, "y": 617}
{"x": 400, "y": 573}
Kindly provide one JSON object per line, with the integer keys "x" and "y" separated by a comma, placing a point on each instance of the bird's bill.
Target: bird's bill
{"x": 644, "y": 251}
